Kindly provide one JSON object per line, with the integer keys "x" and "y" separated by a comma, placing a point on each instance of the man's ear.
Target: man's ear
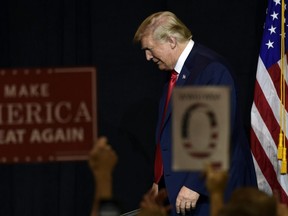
{"x": 172, "y": 41}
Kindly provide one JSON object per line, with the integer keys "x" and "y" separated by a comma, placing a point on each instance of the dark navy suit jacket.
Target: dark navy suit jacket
{"x": 205, "y": 67}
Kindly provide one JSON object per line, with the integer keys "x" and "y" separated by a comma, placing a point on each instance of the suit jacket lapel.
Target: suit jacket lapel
{"x": 191, "y": 68}
{"x": 184, "y": 74}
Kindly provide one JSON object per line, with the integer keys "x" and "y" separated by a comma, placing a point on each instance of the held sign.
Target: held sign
{"x": 47, "y": 114}
{"x": 201, "y": 127}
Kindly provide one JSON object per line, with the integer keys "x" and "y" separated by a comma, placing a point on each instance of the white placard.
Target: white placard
{"x": 201, "y": 127}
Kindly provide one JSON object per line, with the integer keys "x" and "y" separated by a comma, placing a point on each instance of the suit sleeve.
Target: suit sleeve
{"x": 214, "y": 74}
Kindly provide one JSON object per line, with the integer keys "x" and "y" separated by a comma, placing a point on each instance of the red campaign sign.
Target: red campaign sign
{"x": 47, "y": 114}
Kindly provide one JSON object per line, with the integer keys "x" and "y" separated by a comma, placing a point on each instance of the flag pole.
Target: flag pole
{"x": 282, "y": 145}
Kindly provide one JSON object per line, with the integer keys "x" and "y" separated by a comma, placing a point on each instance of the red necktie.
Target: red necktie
{"x": 158, "y": 166}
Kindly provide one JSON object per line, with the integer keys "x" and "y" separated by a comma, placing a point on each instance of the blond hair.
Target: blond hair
{"x": 162, "y": 25}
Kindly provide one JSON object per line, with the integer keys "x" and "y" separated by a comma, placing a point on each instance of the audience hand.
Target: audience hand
{"x": 216, "y": 179}
{"x": 154, "y": 204}
{"x": 102, "y": 158}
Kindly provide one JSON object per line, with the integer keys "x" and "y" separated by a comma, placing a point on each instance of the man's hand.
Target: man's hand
{"x": 186, "y": 200}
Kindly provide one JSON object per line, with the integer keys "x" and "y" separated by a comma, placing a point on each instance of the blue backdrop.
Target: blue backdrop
{"x": 99, "y": 33}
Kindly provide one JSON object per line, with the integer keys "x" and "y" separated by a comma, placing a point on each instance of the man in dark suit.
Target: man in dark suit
{"x": 168, "y": 43}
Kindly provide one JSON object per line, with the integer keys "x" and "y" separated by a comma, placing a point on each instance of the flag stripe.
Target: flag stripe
{"x": 266, "y": 92}
{"x": 267, "y": 113}
{"x": 264, "y": 153}
{"x": 275, "y": 72}
{"x": 265, "y": 164}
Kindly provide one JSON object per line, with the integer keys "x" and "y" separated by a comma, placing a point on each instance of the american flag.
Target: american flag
{"x": 266, "y": 118}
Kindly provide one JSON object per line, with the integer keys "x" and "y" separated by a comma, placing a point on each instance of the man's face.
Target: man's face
{"x": 159, "y": 52}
